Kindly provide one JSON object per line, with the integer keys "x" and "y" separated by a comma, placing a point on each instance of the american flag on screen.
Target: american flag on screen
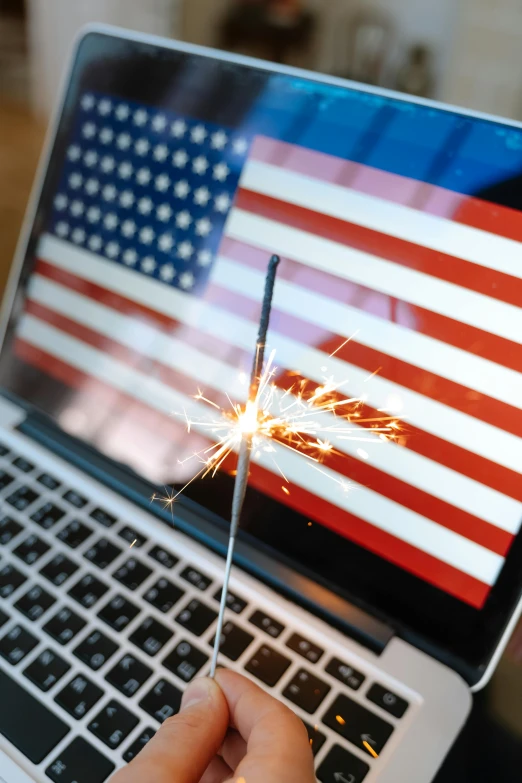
{"x": 157, "y": 248}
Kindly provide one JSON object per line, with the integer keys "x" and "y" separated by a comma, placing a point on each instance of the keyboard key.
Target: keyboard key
{"x": 3, "y": 618}
{"x": 132, "y": 536}
{"x": 48, "y": 481}
{"x": 8, "y": 530}
{"x": 234, "y": 641}
{"x": 196, "y": 617}
{"x": 46, "y": 670}
{"x": 196, "y": 578}
{"x": 128, "y": 675}
{"x": 35, "y": 602}
{"x": 26, "y": 722}
{"x": 103, "y": 517}
{"x": 234, "y": 603}
{"x": 151, "y": 636}
{"x": 88, "y": 590}
{"x": 23, "y": 464}
{"x": 113, "y": 724}
{"x": 3, "y": 450}
{"x": 272, "y": 627}
{"x": 133, "y": 750}
{"x": 307, "y": 649}
{"x": 5, "y": 479}
{"x": 75, "y": 534}
{"x": 16, "y": 644}
{"x": 80, "y": 763}
{"x": 133, "y": 573}
{"x": 74, "y": 499}
{"x": 163, "y": 595}
{"x": 315, "y": 737}
{"x": 64, "y": 626}
{"x": 341, "y": 766}
{"x": 95, "y": 650}
{"x": 22, "y": 498}
{"x": 306, "y": 690}
{"x": 102, "y": 553}
{"x": 358, "y": 725}
{"x": 118, "y": 613}
{"x": 345, "y": 673}
{"x": 163, "y": 701}
{"x": 31, "y": 549}
{"x": 185, "y": 660}
{"x": 59, "y": 569}
{"x": 10, "y": 580}
{"x": 387, "y": 700}
{"x": 268, "y": 665}
{"x": 47, "y": 515}
{"x": 167, "y": 559}
{"x": 79, "y": 696}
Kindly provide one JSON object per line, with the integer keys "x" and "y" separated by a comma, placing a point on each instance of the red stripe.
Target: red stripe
{"x": 422, "y": 259}
{"x": 490, "y": 217}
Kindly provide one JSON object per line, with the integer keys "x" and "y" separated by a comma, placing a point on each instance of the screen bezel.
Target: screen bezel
{"x": 484, "y": 630}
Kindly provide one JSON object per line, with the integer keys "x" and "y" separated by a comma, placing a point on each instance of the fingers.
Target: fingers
{"x": 234, "y": 749}
{"x": 216, "y": 772}
{"x": 185, "y": 745}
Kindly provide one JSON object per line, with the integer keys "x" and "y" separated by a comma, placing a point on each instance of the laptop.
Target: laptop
{"x": 372, "y": 592}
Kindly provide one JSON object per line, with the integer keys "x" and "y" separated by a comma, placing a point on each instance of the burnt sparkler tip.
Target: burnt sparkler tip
{"x": 274, "y": 261}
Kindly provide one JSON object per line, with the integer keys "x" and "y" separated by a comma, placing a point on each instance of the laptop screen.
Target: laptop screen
{"x": 173, "y": 179}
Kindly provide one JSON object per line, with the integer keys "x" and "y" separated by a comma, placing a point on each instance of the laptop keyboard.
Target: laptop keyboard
{"x": 101, "y": 630}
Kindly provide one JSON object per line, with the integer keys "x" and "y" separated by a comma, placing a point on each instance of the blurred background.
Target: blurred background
{"x": 465, "y": 52}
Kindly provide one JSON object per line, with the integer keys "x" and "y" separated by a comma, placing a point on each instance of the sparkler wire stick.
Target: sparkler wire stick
{"x": 245, "y": 449}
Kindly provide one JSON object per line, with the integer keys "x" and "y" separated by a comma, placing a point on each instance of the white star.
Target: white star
{"x": 199, "y": 165}
{"x": 164, "y": 213}
{"x": 141, "y": 147}
{"x": 127, "y": 199}
{"x": 77, "y": 208}
{"x": 219, "y": 140}
{"x": 162, "y": 183}
{"x": 123, "y": 141}
{"x": 180, "y": 159}
{"x": 110, "y": 221}
{"x": 90, "y": 158}
{"x": 122, "y": 112}
{"x": 106, "y": 135}
{"x": 125, "y": 169}
{"x": 88, "y": 102}
{"x": 202, "y": 196}
{"x": 112, "y": 249}
{"x": 178, "y": 128}
{"x": 89, "y": 130}
{"x": 203, "y": 227}
{"x": 167, "y": 272}
{"x": 143, "y": 176}
{"x": 140, "y": 117}
{"x": 128, "y": 228}
{"x": 183, "y": 219}
{"x": 145, "y": 206}
{"x": 148, "y": 265}
{"x": 93, "y": 214}
{"x": 75, "y": 180}
{"x": 92, "y": 186}
{"x": 95, "y": 242}
{"x": 159, "y": 123}
{"x": 240, "y": 146}
{"x": 165, "y": 242}
{"x": 130, "y": 257}
{"x": 204, "y": 258}
{"x": 222, "y": 202}
{"x": 198, "y": 134}
{"x": 104, "y": 107}
{"x": 146, "y": 235}
{"x": 161, "y": 152}
{"x": 186, "y": 280}
{"x": 74, "y": 152}
{"x": 78, "y": 236}
{"x": 60, "y": 201}
{"x": 181, "y": 188}
{"x": 62, "y": 228}
{"x": 221, "y": 172}
{"x": 107, "y": 164}
{"x": 109, "y": 193}
{"x": 185, "y": 250}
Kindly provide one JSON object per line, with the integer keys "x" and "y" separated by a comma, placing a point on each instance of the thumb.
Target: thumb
{"x": 185, "y": 745}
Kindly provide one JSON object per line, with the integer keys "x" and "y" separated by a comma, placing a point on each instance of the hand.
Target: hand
{"x": 227, "y": 730}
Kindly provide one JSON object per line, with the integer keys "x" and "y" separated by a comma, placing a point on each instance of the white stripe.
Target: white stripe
{"x": 455, "y": 239}
{"x": 420, "y": 350}
{"x": 429, "y": 415}
{"x": 426, "y": 535}
{"x": 427, "y": 475}
{"x": 420, "y": 289}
